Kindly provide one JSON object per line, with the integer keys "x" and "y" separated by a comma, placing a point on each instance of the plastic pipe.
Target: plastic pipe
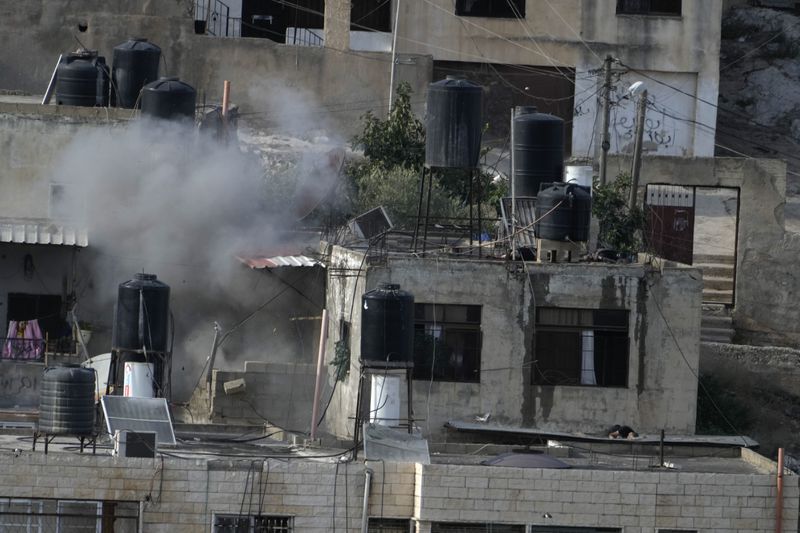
{"x": 323, "y": 339}
{"x": 779, "y": 498}
{"x": 365, "y": 506}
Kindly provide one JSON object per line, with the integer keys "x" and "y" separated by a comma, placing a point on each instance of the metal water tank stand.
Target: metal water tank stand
{"x": 474, "y": 200}
{"x": 85, "y": 441}
{"x": 368, "y": 368}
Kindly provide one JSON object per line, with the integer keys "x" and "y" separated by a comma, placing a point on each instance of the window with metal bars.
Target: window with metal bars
{"x": 491, "y": 8}
{"x": 649, "y": 7}
{"x": 233, "y": 523}
{"x": 389, "y": 525}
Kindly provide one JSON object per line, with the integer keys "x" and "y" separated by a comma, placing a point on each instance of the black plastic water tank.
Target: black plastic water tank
{"x": 453, "y": 123}
{"x": 135, "y": 64}
{"x": 82, "y": 80}
{"x": 66, "y": 400}
{"x": 538, "y": 150}
{"x": 169, "y": 98}
{"x": 387, "y": 325}
{"x": 563, "y": 212}
{"x": 141, "y": 318}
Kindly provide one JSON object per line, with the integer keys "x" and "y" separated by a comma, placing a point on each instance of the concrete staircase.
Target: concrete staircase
{"x": 717, "y": 278}
{"x": 716, "y": 324}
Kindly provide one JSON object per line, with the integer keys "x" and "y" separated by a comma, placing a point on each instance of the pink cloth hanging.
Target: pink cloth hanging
{"x": 24, "y": 340}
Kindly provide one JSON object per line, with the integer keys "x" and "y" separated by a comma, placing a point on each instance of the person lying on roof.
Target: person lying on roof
{"x": 621, "y": 432}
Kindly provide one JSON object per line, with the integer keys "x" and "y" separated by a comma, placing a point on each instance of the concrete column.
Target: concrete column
{"x": 337, "y": 24}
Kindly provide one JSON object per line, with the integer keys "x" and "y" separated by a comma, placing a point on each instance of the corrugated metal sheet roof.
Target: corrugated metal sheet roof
{"x": 42, "y": 232}
{"x": 277, "y": 261}
{"x": 525, "y": 213}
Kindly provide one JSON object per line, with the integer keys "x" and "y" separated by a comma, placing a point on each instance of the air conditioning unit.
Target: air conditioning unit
{"x": 135, "y": 443}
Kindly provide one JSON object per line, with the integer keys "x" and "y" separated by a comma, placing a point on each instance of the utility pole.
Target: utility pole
{"x": 394, "y": 53}
{"x": 606, "y": 138}
{"x": 641, "y": 110}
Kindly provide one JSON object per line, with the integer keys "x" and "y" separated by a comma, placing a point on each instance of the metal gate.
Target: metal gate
{"x": 670, "y": 221}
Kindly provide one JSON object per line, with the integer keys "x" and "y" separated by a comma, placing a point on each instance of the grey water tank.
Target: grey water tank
{"x": 453, "y": 123}
{"x": 169, "y": 98}
{"x": 538, "y": 150}
{"x": 387, "y": 325}
{"x": 141, "y": 318}
{"x": 563, "y": 212}
{"x": 82, "y": 80}
{"x": 66, "y": 400}
{"x": 135, "y": 64}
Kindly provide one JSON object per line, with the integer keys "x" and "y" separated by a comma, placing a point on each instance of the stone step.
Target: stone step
{"x": 710, "y": 309}
{"x": 718, "y": 283}
{"x": 716, "y": 322}
{"x": 713, "y": 258}
{"x": 723, "y": 335}
{"x": 715, "y": 270}
{"x": 717, "y": 296}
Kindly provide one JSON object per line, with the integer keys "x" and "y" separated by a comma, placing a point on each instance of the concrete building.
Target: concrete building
{"x": 334, "y": 56}
{"x": 512, "y": 336}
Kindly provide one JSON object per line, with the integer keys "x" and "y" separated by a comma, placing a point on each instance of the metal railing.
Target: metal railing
{"x": 305, "y": 37}
{"x": 22, "y": 349}
{"x": 212, "y": 17}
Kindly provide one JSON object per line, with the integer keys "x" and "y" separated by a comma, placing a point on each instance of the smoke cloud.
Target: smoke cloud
{"x": 162, "y": 198}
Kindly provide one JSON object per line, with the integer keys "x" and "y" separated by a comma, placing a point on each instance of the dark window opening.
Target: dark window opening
{"x": 26, "y": 339}
{"x": 389, "y": 525}
{"x": 252, "y": 524}
{"x": 586, "y": 347}
{"x": 491, "y": 8}
{"x": 371, "y": 15}
{"x": 270, "y": 19}
{"x": 447, "y": 342}
{"x": 444, "y": 527}
{"x": 649, "y": 7}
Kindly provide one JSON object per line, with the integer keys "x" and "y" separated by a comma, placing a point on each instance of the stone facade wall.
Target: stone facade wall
{"x": 180, "y": 495}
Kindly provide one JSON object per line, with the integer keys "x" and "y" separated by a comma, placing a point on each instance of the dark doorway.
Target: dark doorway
{"x": 371, "y": 15}
{"x": 269, "y": 19}
{"x": 46, "y": 308}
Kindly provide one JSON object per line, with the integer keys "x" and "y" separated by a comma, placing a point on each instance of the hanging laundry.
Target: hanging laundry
{"x": 24, "y": 340}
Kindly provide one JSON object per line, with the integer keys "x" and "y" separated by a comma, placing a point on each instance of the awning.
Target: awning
{"x": 277, "y": 261}
{"x": 42, "y": 232}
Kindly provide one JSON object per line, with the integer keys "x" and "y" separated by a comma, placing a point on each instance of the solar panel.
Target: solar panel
{"x": 371, "y": 224}
{"x": 127, "y": 413}
{"x": 387, "y": 444}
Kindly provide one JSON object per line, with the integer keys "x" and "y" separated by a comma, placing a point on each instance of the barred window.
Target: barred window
{"x": 491, "y": 8}
{"x": 233, "y": 523}
{"x": 447, "y": 342}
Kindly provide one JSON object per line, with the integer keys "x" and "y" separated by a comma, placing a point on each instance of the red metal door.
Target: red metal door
{"x": 670, "y": 222}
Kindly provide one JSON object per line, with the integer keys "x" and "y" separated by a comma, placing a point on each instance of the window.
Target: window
{"x": 491, "y": 8}
{"x": 442, "y": 527}
{"x": 389, "y": 525}
{"x": 447, "y": 342}
{"x": 66, "y": 516}
{"x": 649, "y": 7}
{"x": 251, "y": 524}
{"x": 581, "y": 347}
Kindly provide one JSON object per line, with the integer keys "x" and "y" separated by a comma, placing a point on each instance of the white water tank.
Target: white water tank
{"x": 138, "y": 380}
{"x": 579, "y": 174}
{"x": 384, "y": 403}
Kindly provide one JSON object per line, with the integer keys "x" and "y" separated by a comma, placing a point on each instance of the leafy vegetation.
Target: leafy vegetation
{"x": 389, "y": 174}
{"x": 621, "y": 228}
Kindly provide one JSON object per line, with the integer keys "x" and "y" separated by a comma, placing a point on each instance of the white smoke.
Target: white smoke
{"x": 159, "y": 197}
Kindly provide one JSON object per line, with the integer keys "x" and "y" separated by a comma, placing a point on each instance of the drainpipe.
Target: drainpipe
{"x": 779, "y": 500}
{"x": 365, "y": 508}
{"x": 323, "y": 338}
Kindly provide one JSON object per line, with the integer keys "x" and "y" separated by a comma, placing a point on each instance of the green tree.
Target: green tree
{"x": 620, "y": 227}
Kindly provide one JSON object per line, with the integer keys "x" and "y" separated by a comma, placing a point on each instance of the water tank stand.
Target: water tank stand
{"x": 549, "y": 251}
{"x": 85, "y": 441}
{"x": 475, "y": 196}
{"x": 367, "y": 370}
